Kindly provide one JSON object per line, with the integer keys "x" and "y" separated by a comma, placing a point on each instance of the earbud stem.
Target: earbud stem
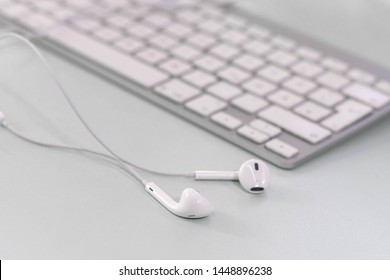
{"x": 160, "y": 195}
{"x": 216, "y": 175}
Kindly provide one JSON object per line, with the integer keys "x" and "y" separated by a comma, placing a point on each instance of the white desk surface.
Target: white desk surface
{"x": 59, "y": 205}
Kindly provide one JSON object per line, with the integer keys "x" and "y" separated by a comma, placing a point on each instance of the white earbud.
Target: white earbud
{"x": 192, "y": 204}
{"x": 253, "y": 175}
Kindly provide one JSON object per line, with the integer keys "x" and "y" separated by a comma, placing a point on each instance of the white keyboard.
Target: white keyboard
{"x": 274, "y": 93}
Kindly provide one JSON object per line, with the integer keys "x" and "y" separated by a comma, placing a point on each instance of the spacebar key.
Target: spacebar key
{"x": 107, "y": 56}
{"x": 294, "y": 124}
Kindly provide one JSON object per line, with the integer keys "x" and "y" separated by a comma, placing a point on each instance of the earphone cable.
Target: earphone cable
{"x": 131, "y": 171}
{"x": 18, "y": 134}
{"x": 115, "y": 156}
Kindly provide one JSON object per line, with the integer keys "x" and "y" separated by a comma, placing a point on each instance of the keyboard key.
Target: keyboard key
{"x": 367, "y": 95}
{"x": 141, "y": 31}
{"x": 249, "y": 103}
{"x": 158, "y": 20}
{"x": 133, "y": 69}
{"x": 201, "y": 41}
{"x": 108, "y": 3}
{"x": 295, "y": 124}
{"x": 281, "y": 58}
{"x": 175, "y": 67}
{"x": 248, "y": 62}
{"x": 179, "y": 30}
{"x": 199, "y": 78}
{"x": 48, "y": 6}
{"x": 63, "y": 14}
{"x": 234, "y": 37}
{"x": 177, "y": 91}
{"x": 265, "y": 127}
{"x": 87, "y": 24}
{"x": 257, "y": 47}
{"x": 308, "y": 53}
{"x": 348, "y": 113}
{"x": 98, "y": 12}
{"x": 78, "y": 4}
{"x": 209, "y": 63}
{"x": 226, "y": 120}
{"x": 164, "y": 42}
{"x": 211, "y": 26}
{"x": 189, "y": 16}
{"x": 252, "y": 134}
{"x": 182, "y": 4}
{"x": 332, "y": 80}
{"x": 149, "y": 3}
{"x": 152, "y": 55}
{"x": 354, "y": 107}
{"x": 334, "y": 64}
{"x": 299, "y": 85}
{"x": 137, "y": 12}
{"x": 119, "y": 21}
{"x": 340, "y": 120}
{"x": 259, "y": 86}
{"x": 206, "y": 105}
{"x": 312, "y": 111}
{"x": 361, "y": 76}
{"x": 307, "y": 69}
{"x": 273, "y": 73}
{"x": 233, "y": 75}
{"x": 326, "y": 97}
{"x": 281, "y": 148}
{"x": 185, "y": 52}
{"x": 224, "y": 51}
{"x": 129, "y": 45}
{"x": 285, "y": 98}
{"x": 37, "y": 21}
{"x": 224, "y": 90}
{"x": 209, "y": 11}
{"x": 108, "y": 35}
{"x": 16, "y": 11}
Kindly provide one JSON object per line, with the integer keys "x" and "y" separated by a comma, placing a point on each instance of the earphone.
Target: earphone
{"x": 253, "y": 175}
{"x": 191, "y": 204}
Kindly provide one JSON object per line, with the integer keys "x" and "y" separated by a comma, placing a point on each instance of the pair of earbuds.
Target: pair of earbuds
{"x": 253, "y": 175}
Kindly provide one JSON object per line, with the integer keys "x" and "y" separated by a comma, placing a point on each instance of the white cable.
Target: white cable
{"x": 47, "y": 66}
{"x": 115, "y": 158}
{"x": 18, "y": 134}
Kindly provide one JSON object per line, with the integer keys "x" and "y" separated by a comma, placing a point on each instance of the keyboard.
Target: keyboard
{"x": 277, "y": 94}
